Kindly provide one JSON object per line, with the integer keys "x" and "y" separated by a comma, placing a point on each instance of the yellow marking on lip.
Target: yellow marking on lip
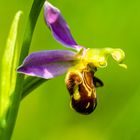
{"x": 89, "y": 94}
{"x": 87, "y": 86}
{"x": 76, "y": 95}
{"x": 88, "y": 104}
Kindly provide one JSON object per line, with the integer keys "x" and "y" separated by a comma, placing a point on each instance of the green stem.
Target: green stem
{"x": 30, "y": 84}
{"x": 16, "y": 98}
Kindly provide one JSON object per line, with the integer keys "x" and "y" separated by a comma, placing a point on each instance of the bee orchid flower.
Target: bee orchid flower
{"x": 79, "y": 64}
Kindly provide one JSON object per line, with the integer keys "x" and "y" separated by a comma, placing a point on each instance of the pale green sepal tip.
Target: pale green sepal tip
{"x": 123, "y": 66}
{"x": 8, "y": 70}
{"x": 118, "y": 55}
{"x": 99, "y": 57}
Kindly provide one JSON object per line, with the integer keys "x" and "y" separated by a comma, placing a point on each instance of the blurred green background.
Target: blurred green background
{"x": 45, "y": 114}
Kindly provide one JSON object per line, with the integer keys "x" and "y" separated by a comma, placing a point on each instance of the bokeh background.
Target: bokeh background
{"x": 45, "y": 114}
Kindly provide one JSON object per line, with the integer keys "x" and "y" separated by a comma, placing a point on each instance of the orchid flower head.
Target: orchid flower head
{"x": 79, "y": 64}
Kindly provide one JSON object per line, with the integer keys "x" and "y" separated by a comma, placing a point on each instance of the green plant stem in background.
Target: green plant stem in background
{"x": 16, "y": 98}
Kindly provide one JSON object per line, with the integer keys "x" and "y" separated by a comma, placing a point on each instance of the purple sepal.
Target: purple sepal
{"x": 58, "y": 26}
{"x": 47, "y": 64}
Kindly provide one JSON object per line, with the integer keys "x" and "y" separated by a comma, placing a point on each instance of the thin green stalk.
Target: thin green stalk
{"x": 16, "y": 98}
{"x": 30, "y": 84}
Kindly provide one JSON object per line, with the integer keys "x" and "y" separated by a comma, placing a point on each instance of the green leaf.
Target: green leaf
{"x": 16, "y": 95}
{"x": 8, "y": 70}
